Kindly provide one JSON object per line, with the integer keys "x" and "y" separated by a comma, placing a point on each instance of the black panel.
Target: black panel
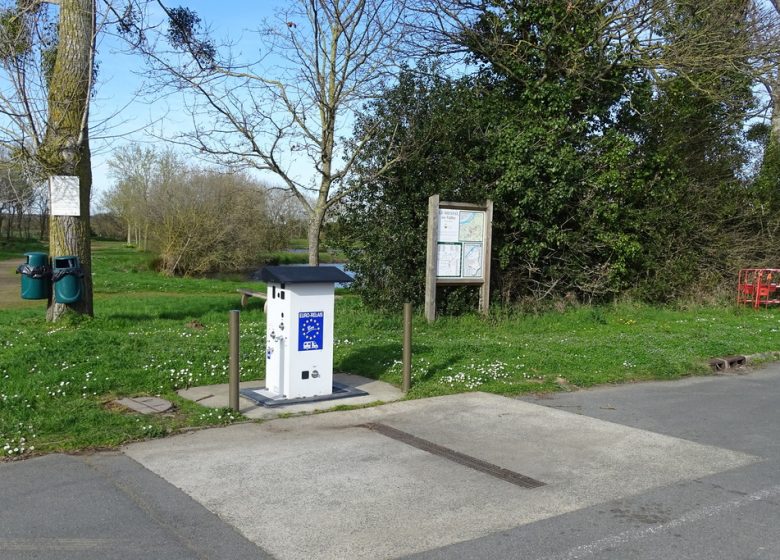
{"x": 304, "y": 274}
{"x": 340, "y": 391}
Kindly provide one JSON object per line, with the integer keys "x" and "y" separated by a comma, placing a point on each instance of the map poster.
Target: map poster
{"x": 64, "y": 195}
{"x": 449, "y": 225}
{"x": 472, "y": 260}
{"x": 448, "y": 260}
{"x": 471, "y": 226}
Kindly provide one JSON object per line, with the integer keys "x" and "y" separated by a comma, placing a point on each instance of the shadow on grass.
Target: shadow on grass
{"x": 172, "y": 312}
{"x": 191, "y": 313}
{"x": 377, "y": 361}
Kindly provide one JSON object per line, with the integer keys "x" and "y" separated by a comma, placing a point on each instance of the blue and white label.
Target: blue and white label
{"x": 310, "y": 330}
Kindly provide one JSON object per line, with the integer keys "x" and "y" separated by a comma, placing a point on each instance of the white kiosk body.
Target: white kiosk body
{"x": 299, "y": 330}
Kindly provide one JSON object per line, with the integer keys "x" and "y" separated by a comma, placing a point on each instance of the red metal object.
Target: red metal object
{"x": 759, "y": 286}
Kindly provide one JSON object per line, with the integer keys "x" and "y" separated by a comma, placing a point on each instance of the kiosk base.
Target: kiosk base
{"x": 265, "y": 398}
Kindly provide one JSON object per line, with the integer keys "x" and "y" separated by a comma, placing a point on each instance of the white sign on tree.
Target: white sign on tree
{"x": 64, "y": 197}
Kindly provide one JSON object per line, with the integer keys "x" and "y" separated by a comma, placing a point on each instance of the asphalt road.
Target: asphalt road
{"x": 680, "y": 470}
{"x": 105, "y": 506}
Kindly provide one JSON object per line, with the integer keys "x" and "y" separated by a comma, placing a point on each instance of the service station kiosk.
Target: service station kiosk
{"x": 299, "y": 336}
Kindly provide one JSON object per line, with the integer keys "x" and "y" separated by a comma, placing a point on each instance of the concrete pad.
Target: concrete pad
{"x": 146, "y": 405}
{"x": 324, "y": 487}
{"x": 216, "y": 396}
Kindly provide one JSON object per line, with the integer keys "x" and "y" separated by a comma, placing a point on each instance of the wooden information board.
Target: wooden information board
{"x": 458, "y": 250}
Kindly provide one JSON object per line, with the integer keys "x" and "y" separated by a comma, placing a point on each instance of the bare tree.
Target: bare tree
{"x": 47, "y": 61}
{"x": 134, "y": 168}
{"x": 27, "y": 46}
{"x": 324, "y": 59}
{"x": 65, "y": 148}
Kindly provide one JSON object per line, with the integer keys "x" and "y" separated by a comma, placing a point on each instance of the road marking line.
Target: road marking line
{"x": 692, "y": 516}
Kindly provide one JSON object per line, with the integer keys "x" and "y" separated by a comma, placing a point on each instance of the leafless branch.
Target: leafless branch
{"x": 323, "y": 60}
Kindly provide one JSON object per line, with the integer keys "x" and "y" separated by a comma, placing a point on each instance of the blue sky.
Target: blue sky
{"x": 132, "y": 118}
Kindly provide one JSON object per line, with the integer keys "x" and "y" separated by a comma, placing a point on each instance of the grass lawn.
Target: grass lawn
{"x": 15, "y": 248}
{"x": 153, "y": 335}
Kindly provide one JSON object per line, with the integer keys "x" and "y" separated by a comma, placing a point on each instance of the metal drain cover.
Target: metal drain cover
{"x": 455, "y": 456}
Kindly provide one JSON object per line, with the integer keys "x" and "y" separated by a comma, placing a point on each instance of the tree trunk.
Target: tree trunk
{"x": 65, "y": 149}
{"x": 315, "y": 225}
{"x": 775, "y": 95}
{"x": 20, "y": 224}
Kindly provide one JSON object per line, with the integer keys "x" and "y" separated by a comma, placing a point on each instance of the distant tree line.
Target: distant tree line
{"x": 24, "y": 203}
{"x": 197, "y": 220}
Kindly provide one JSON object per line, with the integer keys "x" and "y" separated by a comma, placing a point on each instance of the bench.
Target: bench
{"x": 246, "y": 294}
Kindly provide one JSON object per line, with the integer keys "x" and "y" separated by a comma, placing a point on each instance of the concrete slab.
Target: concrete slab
{"x": 146, "y": 405}
{"x": 324, "y": 487}
{"x": 216, "y": 396}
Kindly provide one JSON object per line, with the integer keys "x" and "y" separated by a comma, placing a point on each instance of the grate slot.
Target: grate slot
{"x": 455, "y": 456}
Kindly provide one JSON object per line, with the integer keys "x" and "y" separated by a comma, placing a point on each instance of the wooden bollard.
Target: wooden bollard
{"x": 234, "y": 366}
{"x": 407, "y": 352}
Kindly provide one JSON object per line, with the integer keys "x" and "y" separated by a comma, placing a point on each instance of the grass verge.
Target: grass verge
{"x": 153, "y": 335}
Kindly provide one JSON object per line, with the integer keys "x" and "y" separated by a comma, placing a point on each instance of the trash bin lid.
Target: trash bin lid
{"x": 304, "y": 274}
{"x": 68, "y": 261}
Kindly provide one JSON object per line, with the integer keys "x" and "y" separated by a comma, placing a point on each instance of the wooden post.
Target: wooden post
{"x": 407, "y": 352}
{"x": 484, "y": 291}
{"x": 430, "y": 258}
{"x": 234, "y": 375}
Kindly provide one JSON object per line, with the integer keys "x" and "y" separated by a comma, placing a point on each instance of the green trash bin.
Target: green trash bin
{"x": 36, "y": 276}
{"x": 67, "y": 277}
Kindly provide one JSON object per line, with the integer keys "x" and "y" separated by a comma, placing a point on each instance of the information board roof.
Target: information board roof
{"x": 304, "y": 274}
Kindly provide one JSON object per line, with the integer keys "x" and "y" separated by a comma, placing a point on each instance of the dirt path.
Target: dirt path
{"x": 10, "y": 286}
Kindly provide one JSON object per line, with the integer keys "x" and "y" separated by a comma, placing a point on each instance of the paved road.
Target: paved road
{"x": 106, "y": 507}
{"x": 682, "y": 470}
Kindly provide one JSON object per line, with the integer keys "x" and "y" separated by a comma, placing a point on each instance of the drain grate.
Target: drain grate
{"x": 455, "y": 456}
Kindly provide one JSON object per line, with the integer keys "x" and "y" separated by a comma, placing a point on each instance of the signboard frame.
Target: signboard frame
{"x": 440, "y": 233}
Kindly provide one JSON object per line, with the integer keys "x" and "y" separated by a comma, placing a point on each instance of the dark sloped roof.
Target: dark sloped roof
{"x": 304, "y": 274}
